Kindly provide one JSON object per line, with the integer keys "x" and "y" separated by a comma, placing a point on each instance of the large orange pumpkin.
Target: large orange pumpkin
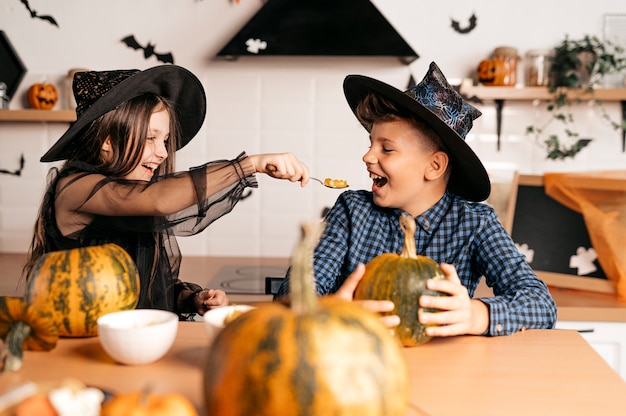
{"x": 82, "y": 284}
{"x": 401, "y": 278}
{"x": 317, "y": 357}
{"x": 42, "y": 96}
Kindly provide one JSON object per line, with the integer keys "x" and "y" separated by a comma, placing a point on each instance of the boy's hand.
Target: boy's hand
{"x": 458, "y": 313}
{"x": 346, "y": 292}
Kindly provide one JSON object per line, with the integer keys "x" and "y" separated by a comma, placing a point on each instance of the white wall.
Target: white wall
{"x": 283, "y": 104}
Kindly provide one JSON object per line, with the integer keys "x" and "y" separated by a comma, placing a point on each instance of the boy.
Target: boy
{"x": 419, "y": 163}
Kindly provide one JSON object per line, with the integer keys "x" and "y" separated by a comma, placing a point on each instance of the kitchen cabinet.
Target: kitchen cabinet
{"x": 32, "y": 115}
{"x": 608, "y": 339}
{"x": 499, "y": 95}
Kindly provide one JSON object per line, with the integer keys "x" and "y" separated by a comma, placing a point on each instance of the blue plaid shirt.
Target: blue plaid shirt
{"x": 467, "y": 235}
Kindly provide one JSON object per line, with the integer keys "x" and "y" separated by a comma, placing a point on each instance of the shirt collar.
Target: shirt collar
{"x": 432, "y": 217}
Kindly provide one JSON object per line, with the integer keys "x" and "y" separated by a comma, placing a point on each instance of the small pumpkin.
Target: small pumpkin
{"x": 401, "y": 278}
{"x": 144, "y": 403}
{"x": 42, "y": 96}
{"x": 81, "y": 284}
{"x": 24, "y": 326}
{"x": 492, "y": 72}
{"x": 316, "y": 357}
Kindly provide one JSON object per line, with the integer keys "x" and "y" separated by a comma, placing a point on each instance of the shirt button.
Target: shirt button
{"x": 426, "y": 225}
{"x": 499, "y": 327}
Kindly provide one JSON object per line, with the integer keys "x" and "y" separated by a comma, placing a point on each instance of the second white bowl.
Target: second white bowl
{"x": 214, "y": 318}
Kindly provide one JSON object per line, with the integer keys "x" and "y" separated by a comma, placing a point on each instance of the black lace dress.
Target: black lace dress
{"x": 127, "y": 214}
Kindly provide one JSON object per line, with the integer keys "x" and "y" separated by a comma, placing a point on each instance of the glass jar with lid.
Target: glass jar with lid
{"x": 537, "y": 67}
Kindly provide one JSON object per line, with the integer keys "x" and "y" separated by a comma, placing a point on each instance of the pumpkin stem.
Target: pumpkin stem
{"x": 302, "y": 285}
{"x": 407, "y": 223}
{"x": 144, "y": 394}
{"x": 19, "y": 331}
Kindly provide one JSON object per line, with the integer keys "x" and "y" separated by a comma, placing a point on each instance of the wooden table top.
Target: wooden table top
{"x": 552, "y": 372}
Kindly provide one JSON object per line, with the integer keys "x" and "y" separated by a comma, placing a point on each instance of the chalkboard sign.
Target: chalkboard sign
{"x": 554, "y": 239}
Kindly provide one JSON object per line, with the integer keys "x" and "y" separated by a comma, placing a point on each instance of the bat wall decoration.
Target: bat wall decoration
{"x": 33, "y": 14}
{"x": 17, "y": 172}
{"x": 463, "y": 30}
{"x": 148, "y": 50}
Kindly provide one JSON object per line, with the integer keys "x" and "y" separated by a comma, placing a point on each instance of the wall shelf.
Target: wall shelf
{"x": 30, "y": 115}
{"x": 501, "y": 94}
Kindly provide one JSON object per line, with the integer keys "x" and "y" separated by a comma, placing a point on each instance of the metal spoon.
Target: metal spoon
{"x": 328, "y": 182}
{"x": 332, "y": 183}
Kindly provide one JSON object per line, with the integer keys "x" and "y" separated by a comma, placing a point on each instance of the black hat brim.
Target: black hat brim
{"x": 173, "y": 82}
{"x": 469, "y": 178}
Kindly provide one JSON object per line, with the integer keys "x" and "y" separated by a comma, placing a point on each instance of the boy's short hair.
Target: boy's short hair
{"x": 374, "y": 108}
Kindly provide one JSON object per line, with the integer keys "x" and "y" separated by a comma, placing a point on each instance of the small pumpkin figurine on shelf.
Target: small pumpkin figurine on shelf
{"x": 304, "y": 358}
{"x": 42, "y": 96}
{"x": 82, "y": 284}
{"x": 500, "y": 69}
{"x": 401, "y": 278}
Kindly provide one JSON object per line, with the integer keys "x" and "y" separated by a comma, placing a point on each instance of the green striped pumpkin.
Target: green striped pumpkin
{"x": 82, "y": 284}
{"x": 401, "y": 278}
{"x": 316, "y": 357}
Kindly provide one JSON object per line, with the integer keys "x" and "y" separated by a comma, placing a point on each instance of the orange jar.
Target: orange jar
{"x": 509, "y": 59}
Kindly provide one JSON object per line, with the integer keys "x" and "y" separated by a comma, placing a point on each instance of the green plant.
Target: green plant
{"x": 579, "y": 64}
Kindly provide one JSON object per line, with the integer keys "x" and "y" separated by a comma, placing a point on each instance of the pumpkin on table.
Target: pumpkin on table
{"x": 315, "y": 357}
{"x": 82, "y": 284}
{"x": 401, "y": 278}
{"x": 42, "y": 96}
{"x": 24, "y": 326}
{"x": 145, "y": 403}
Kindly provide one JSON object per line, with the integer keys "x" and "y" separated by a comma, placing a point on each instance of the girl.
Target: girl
{"x": 118, "y": 183}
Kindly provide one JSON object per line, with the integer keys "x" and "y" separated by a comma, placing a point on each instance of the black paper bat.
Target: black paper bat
{"x": 17, "y": 172}
{"x": 148, "y": 50}
{"x": 472, "y": 24}
{"x": 33, "y": 14}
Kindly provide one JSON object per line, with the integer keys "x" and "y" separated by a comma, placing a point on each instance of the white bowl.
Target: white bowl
{"x": 138, "y": 336}
{"x": 214, "y": 318}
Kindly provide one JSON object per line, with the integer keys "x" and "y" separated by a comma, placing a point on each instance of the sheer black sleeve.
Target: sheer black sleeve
{"x": 82, "y": 207}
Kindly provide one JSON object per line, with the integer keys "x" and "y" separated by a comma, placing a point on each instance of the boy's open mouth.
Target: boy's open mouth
{"x": 379, "y": 181}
